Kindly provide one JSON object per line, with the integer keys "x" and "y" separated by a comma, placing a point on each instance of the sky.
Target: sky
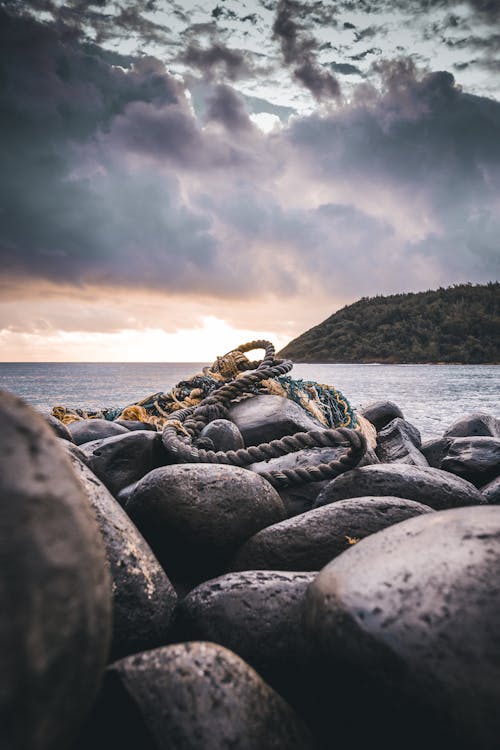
{"x": 177, "y": 178}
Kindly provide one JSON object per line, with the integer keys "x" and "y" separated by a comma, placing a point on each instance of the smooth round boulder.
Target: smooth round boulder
{"x": 191, "y": 696}
{"x": 476, "y": 459}
{"x": 409, "y": 618}
{"x": 491, "y": 492}
{"x": 380, "y": 413}
{"x": 134, "y": 424}
{"x": 433, "y": 487}
{"x": 311, "y": 540}
{"x": 58, "y": 427}
{"x": 55, "y": 590}
{"x": 85, "y": 430}
{"x": 474, "y": 425}
{"x": 143, "y": 597}
{"x": 256, "y": 614}
{"x": 195, "y": 516}
{"x": 261, "y": 419}
{"x": 224, "y": 434}
{"x": 400, "y": 442}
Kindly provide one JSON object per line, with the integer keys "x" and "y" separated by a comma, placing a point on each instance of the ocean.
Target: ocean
{"x": 431, "y": 396}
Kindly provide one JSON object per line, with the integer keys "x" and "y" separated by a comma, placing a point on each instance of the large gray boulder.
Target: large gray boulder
{"x": 55, "y": 593}
{"x": 474, "y": 425}
{"x": 191, "y": 696}
{"x": 380, "y": 413}
{"x": 311, "y": 540}
{"x": 400, "y": 442}
{"x": 143, "y": 597}
{"x": 195, "y": 516}
{"x": 261, "y": 419}
{"x": 409, "y": 619}
{"x": 491, "y": 492}
{"x": 476, "y": 459}
{"x": 223, "y": 434}
{"x": 85, "y": 430}
{"x": 433, "y": 487}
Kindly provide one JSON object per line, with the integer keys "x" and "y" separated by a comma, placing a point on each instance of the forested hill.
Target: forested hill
{"x": 460, "y": 324}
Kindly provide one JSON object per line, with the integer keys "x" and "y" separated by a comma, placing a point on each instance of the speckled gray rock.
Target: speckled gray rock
{"x": 225, "y": 436}
{"x": 192, "y": 696}
{"x": 476, "y": 459}
{"x": 133, "y": 424}
{"x": 256, "y": 614}
{"x": 435, "y": 450}
{"x": 491, "y": 492}
{"x": 58, "y": 427}
{"x": 143, "y": 597}
{"x": 261, "y": 419}
{"x": 195, "y": 516}
{"x": 474, "y": 425}
{"x": 433, "y": 487}
{"x": 123, "y": 459}
{"x": 55, "y": 594}
{"x": 85, "y": 430}
{"x": 310, "y": 541}
{"x": 399, "y": 442}
{"x": 410, "y": 618}
{"x": 380, "y": 413}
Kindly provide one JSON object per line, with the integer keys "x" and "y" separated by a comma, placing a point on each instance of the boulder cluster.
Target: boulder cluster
{"x": 151, "y": 605}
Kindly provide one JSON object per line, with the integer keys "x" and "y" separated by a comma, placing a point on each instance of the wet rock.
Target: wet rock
{"x": 85, "y": 430}
{"x": 476, "y": 459}
{"x": 474, "y": 425}
{"x": 55, "y": 595}
{"x": 380, "y": 413}
{"x": 310, "y": 541}
{"x": 143, "y": 597}
{"x": 399, "y": 442}
{"x": 261, "y": 419}
{"x": 72, "y": 450}
{"x": 195, "y": 516}
{"x": 121, "y": 460}
{"x": 192, "y": 696}
{"x": 258, "y": 615}
{"x": 410, "y": 619}
{"x": 134, "y": 424}
{"x": 225, "y": 436}
{"x": 491, "y": 492}
{"x": 435, "y": 450}
{"x": 433, "y": 487}
{"x": 125, "y": 494}
{"x": 58, "y": 427}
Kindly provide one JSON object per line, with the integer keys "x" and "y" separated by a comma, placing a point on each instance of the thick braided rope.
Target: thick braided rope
{"x": 186, "y": 424}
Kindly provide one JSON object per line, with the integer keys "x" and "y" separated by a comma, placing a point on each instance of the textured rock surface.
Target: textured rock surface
{"x": 225, "y": 436}
{"x": 55, "y": 596}
{"x": 410, "y": 618}
{"x": 143, "y": 597}
{"x": 491, "y": 492}
{"x": 399, "y": 442}
{"x": 310, "y": 541}
{"x": 256, "y": 614}
{"x": 195, "y": 516}
{"x": 433, "y": 487}
{"x": 192, "y": 696}
{"x": 123, "y": 459}
{"x": 435, "y": 450}
{"x": 85, "y": 430}
{"x": 476, "y": 459}
{"x": 380, "y": 413}
{"x": 474, "y": 425}
{"x": 261, "y": 419}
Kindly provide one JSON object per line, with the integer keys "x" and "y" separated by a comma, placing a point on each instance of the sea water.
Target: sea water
{"x": 431, "y": 396}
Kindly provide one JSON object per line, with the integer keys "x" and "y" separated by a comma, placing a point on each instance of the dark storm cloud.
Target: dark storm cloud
{"x": 299, "y": 49}
{"x": 216, "y": 60}
{"x": 228, "y": 108}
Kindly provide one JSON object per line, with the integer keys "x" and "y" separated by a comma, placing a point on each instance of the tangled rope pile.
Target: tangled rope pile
{"x": 192, "y": 404}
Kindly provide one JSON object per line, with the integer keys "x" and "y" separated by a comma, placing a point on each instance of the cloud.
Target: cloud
{"x": 216, "y": 60}
{"x": 346, "y": 69}
{"x": 228, "y": 108}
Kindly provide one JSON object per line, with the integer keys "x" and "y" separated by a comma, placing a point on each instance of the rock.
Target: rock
{"x": 380, "y": 413}
{"x": 476, "y": 459}
{"x": 435, "y": 450}
{"x": 143, "y": 597}
{"x": 134, "y": 424}
{"x": 55, "y": 595}
{"x": 224, "y": 435}
{"x": 258, "y": 615}
{"x": 474, "y": 425}
{"x": 191, "y": 696}
{"x": 310, "y": 541}
{"x": 85, "y": 430}
{"x": 491, "y": 492}
{"x": 58, "y": 427}
{"x": 399, "y": 442}
{"x": 121, "y": 460}
{"x": 261, "y": 419}
{"x": 195, "y": 516}
{"x": 433, "y": 487}
{"x": 410, "y": 619}
{"x": 125, "y": 494}
{"x": 72, "y": 450}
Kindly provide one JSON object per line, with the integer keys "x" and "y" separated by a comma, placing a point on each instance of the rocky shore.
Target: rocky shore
{"x": 158, "y": 605}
